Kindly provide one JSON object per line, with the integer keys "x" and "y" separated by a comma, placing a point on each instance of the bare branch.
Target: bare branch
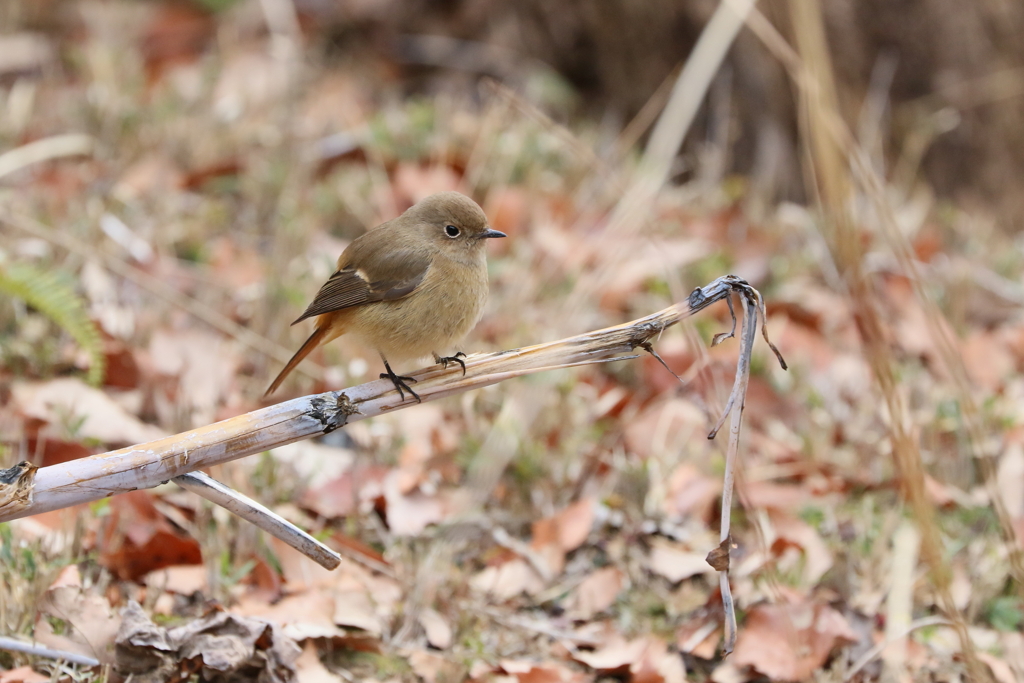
{"x": 248, "y": 509}
{"x": 15, "y": 645}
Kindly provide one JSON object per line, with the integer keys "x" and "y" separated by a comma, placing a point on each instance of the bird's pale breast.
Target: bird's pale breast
{"x": 433, "y": 319}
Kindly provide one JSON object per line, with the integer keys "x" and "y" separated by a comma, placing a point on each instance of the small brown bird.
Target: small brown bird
{"x": 413, "y": 286}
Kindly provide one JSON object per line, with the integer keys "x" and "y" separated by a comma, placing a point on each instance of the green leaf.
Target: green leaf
{"x": 46, "y": 292}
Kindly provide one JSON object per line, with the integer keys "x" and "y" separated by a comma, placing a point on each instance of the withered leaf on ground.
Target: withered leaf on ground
{"x": 218, "y": 647}
{"x": 788, "y": 642}
{"x": 596, "y": 593}
{"x": 23, "y": 674}
{"x": 674, "y": 561}
{"x": 87, "y": 621}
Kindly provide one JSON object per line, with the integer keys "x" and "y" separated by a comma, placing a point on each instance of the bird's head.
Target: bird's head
{"x": 453, "y": 221}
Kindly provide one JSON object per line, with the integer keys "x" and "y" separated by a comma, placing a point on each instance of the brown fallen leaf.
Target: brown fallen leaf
{"x": 658, "y": 664}
{"x": 67, "y": 400}
{"x": 788, "y": 642}
{"x": 149, "y": 175}
{"x": 220, "y": 646}
{"x": 55, "y": 451}
{"x": 768, "y": 494}
{"x": 987, "y": 359}
{"x": 507, "y": 580}
{"x": 718, "y": 558}
{"x": 353, "y": 607}
{"x": 595, "y": 593}
{"x": 508, "y": 209}
{"x": 439, "y": 633}
{"x": 180, "y": 579}
{"x": 202, "y": 363}
{"x": 554, "y": 537}
{"x": 535, "y": 672}
{"x": 174, "y": 35}
{"x": 791, "y": 531}
{"x": 674, "y": 561}
{"x": 432, "y": 667}
{"x": 691, "y": 493}
{"x": 664, "y": 427}
{"x": 341, "y": 495}
{"x": 1001, "y": 671}
{"x": 700, "y": 637}
{"x": 310, "y": 669}
{"x": 23, "y": 674}
{"x": 567, "y": 529}
{"x": 425, "y": 433}
{"x": 616, "y": 654}
{"x": 136, "y": 538}
{"x": 409, "y": 514}
{"x": 89, "y": 622}
{"x": 412, "y": 181}
{"x": 647, "y": 659}
{"x": 308, "y": 614}
{"x": 479, "y": 668}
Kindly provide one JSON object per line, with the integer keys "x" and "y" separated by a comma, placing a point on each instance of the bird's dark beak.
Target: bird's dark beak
{"x": 489, "y": 232}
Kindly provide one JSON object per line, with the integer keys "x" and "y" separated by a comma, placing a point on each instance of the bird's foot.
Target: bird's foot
{"x": 400, "y": 382}
{"x": 448, "y": 360}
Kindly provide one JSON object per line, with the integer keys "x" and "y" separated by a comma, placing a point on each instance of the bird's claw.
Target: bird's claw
{"x": 400, "y": 382}
{"x": 448, "y": 360}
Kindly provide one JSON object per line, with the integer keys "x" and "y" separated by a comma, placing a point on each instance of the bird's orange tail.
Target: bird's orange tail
{"x": 314, "y": 341}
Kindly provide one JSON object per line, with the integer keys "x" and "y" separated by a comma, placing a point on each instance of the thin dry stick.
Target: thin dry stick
{"x": 212, "y": 490}
{"x": 879, "y": 647}
{"x": 15, "y": 645}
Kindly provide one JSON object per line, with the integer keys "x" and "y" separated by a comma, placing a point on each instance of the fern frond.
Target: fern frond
{"x": 45, "y": 291}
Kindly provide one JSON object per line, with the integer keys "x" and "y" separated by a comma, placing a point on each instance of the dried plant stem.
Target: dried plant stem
{"x": 879, "y": 647}
{"x": 874, "y": 187}
{"x": 719, "y": 557}
{"x": 26, "y": 490}
{"x": 54, "y": 147}
{"x": 830, "y": 157}
{"x": 737, "y": 401}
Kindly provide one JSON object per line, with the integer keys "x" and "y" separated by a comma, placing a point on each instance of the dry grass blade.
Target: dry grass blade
{"x": 71, "y": 144}
{"x": 687, "y": 94}
{"x": 830, "y": 157}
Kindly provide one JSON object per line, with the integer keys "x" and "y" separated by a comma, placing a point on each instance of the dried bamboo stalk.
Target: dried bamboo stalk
{"x": 27, "y": 490}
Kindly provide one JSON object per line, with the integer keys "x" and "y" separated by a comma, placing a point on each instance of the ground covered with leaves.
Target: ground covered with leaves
{"x": 193, "y": 178}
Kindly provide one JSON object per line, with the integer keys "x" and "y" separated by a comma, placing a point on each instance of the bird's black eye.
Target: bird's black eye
{"x": 451, "y": 231}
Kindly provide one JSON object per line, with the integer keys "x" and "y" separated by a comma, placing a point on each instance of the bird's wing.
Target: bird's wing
{"x": 385, "y": 275}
